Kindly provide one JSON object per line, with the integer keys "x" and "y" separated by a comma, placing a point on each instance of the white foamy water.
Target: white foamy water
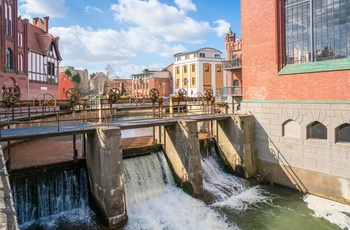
{"x": 229, "y": 191}
{"x": 332, "y": 211}
{"x": 154, "y": 201}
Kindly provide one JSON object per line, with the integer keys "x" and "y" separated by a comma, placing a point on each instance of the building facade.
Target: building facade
{"x": 29, "y": 56}
{"x": 98, "y": 82}
{"x": 159, "y": 79}
{"x": 232, "y": 65}
{"x": 43, "y": 59}
{"x": 296, "y": 75}
{"x": 198, "y": 71}
{"x": 64, "y": 84}
{"x": 84, "y": 86}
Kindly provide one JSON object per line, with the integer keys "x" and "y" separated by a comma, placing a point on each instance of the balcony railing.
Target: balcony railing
{"x": 232, "y": 64}
{"x": 231, "y": 90}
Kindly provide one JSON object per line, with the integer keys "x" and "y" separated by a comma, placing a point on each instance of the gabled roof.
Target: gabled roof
{"x": 39, "y": 41}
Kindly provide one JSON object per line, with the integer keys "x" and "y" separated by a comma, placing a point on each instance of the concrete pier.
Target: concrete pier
{"x": 236, "y": 140}
{"x": 8, "y": 219}
{"x": 181, "y": 146}
{"x": 104, "y": 160}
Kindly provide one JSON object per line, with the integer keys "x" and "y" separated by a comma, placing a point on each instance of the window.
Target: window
{"x": 343, "y": 133}
{"x": 177, "y": 82}
{"x": 201, "y": 54}
{"x": 187, "y": 57}
{"x": 50, "y": 68}
{"x": 193, "y": 68}
{"x": 177, "y": 70}
{"x": 206, "y": 68}
{"x": 20, "y": 62}
{"x": 317, "y": 130}
{"x": 193, "y": 81}
{"x": 185, "y": 81}
{"x": 9, "y": 58}
{"x": 217, "y": 55}
{"x": 218, "y": 68}
{"x": 178, "y": 58}
{"x": 316, "y": 30}
{"x": 185, "y": 69}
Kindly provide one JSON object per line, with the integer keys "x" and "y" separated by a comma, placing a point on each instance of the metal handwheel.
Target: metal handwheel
{"x": 154, "y": 94}
{"x": 182, "y": 93}
{"x": 113, "y": 95}
{"x": 198, "y": 98}
{"x": 72, "y": 94}
{"x": 11, "y": 95}
{"x": 136, "y": 98}
{"x": 208, "y": 94}
{"x": 43, "y": 100}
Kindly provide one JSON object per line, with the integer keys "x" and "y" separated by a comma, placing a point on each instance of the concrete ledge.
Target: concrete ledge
{"x": 319, "y": 184}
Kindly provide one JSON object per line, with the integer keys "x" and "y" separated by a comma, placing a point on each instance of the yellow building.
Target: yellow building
{"x": 197, "y": 71}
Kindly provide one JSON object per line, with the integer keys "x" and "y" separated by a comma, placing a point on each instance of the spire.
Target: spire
{"x": 230, "y": 32}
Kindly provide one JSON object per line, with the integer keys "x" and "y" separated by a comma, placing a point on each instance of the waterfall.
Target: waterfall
{"x": 39, "y": 195}
{"x": 228, "y": 190}
{"x": 154, "y": 201}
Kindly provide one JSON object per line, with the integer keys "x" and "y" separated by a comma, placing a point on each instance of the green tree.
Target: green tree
{"x": 76, "y": 79}
{"x": 68, "y": 73}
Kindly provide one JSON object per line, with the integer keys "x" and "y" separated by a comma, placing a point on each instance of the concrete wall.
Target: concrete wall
{"x": 181, "y": 146}
{"x": 319, "y": 166}
{"x": 236, "y": 140}
{"x": 104, "y": 160}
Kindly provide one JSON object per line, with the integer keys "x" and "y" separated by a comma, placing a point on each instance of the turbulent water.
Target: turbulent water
{"x": 155, "y": 202}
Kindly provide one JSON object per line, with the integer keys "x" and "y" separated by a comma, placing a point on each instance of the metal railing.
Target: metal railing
{"x": 232, "y": 64}
{"x": 25, "y": 114}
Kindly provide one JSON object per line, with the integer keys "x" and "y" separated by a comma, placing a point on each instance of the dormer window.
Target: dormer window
{"x": 201, "y": 54}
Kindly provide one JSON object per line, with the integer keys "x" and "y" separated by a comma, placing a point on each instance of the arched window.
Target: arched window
{"x": 317, "y": 130}
{"x": 10, "y": 21}
{"x": 291, "y": 128}
{"x": 9, "y": 58}
{"x": 20, "y": 62}
{"x": 6, "y": 19}
{"x": 343, "y": 133}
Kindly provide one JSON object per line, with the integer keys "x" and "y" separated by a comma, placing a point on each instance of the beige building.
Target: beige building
{"x": 197, "y": 71}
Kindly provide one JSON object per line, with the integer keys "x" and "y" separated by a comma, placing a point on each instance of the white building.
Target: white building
{"x": 197, "y": 71}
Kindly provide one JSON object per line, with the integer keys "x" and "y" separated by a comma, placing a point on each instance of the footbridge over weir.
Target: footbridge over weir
{"x": 178, "y": 135}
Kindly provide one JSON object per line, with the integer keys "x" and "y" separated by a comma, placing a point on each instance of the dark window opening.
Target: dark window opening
{"x": 343, "y": 133}
{"x": 317, "y": 131}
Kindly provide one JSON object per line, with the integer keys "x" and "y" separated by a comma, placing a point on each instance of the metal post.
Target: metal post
{"x": 75, "y": 151}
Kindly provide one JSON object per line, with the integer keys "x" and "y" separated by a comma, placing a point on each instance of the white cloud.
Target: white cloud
{"x": 162, "y": 21}
{"x": 89, "y": 9}
{"x": 186, "y": 5}
{"x": 52, "y": 8}
{"x": 87, "y": 47}
{"x": 222, "y": 27}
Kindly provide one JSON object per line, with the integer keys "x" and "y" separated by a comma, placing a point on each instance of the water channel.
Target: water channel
{"x": 155, "y": 202}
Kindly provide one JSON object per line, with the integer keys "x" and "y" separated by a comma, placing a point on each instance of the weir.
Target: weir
{"x": 180, "y": 142}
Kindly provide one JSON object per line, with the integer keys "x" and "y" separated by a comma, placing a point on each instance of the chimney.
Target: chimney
{"x": 46, "y": 23}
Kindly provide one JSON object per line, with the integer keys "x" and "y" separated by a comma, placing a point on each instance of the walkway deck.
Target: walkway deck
{"x": 80, "y": 128}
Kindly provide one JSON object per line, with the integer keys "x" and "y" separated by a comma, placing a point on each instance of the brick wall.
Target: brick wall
{"x": 260, "y": 68}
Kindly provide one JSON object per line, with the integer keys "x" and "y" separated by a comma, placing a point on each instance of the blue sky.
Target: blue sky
{"x": 132, "y": 35}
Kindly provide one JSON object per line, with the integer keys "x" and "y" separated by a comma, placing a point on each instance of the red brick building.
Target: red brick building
{"x": 232, "y": 65}
{"x": 160, "y": 79}
{"x": 296, "y": 81}
{"x": 29, "y": 56}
